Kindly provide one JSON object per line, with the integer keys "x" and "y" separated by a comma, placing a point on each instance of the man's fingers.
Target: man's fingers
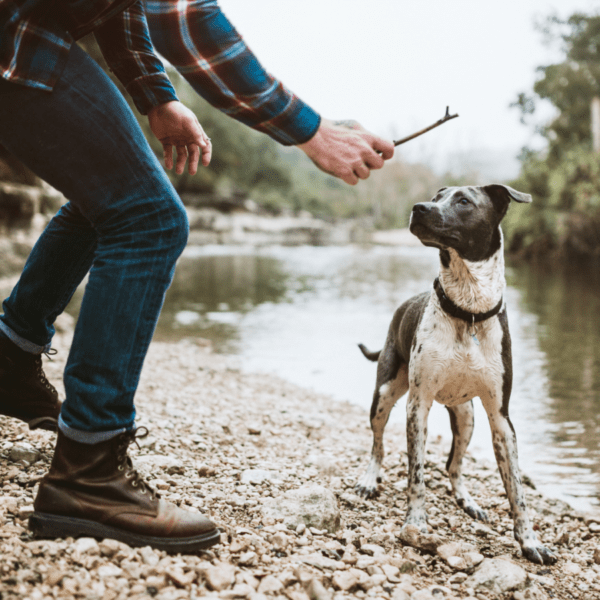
{"x": 181, "y": 159}
{"x": 207, "y": 153}
{"x": 374, "y": 160}
{"x": 362, "y": 171}
{"x": 194, "y": 153}
{"x": 168, "y": 155}
{"x": 348, "y": 176}
{"x": 384, "y": 146}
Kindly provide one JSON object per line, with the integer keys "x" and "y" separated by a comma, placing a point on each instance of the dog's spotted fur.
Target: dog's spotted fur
{"x": 434, "y": 356}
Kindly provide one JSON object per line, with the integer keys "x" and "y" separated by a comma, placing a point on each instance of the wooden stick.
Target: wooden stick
{"x": 447, "y": 117}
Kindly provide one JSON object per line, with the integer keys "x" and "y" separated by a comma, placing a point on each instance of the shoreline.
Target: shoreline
{"x": 232, "y": 443}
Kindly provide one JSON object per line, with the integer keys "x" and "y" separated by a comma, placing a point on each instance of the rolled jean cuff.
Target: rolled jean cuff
{"x": 88, "y": 437}
{"x": 21, "y": 342}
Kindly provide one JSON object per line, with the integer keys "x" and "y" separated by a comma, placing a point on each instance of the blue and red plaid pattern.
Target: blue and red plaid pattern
{"x": 35, "y": 40}
{"x": 193, "y": 35}
{"x": 202, "y": 44}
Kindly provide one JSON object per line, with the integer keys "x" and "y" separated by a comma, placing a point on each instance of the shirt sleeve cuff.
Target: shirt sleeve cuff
{"x": 150, "y": 91}
{"x": 296, "y": 125}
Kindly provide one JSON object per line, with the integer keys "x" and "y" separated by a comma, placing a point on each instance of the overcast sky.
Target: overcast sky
{"x": 394, "y": 65}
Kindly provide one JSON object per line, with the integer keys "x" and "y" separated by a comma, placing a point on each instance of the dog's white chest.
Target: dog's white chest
{"x": 448, "y": 364}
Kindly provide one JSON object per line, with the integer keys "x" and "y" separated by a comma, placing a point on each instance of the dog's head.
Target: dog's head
{"x": 466, "y": 219}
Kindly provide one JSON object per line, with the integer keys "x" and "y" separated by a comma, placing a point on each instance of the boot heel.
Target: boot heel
{"x": 54, "y": 526}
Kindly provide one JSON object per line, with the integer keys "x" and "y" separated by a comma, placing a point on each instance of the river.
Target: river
{"x": 299, "y": 312}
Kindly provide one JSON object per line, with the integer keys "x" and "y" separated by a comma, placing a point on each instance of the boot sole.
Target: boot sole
{"x": 47, "y": 423}
{"x": 45, "y": 525}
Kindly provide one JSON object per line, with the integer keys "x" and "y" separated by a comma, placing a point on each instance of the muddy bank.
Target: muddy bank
{"x": 243, "y": 447}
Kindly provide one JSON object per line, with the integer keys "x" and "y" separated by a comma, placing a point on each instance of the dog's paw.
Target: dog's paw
{"x": 472, "y": 509}
{"x": 366, "y": 486}
{"x": 539, "y": 554}
{"x": 365, "y": 491}
{"x": 417, "y": 518}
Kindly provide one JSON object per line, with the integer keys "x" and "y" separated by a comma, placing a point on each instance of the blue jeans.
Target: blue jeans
{"x": 124, "y": 223}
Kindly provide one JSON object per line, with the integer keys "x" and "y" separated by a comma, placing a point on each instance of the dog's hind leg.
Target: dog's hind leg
{"x": 462, "y": 422}
{"x": 392, "y": 383}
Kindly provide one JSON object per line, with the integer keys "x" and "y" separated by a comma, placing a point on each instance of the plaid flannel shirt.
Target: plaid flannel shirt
{"x": 202, "y": 44}
{"x": 36, "y": 35}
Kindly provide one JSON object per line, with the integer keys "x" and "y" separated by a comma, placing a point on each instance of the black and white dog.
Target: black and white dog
{"x": 451, "y": 345}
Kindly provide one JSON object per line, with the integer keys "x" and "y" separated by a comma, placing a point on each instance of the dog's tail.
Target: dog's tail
{"x": 373, "y": 356}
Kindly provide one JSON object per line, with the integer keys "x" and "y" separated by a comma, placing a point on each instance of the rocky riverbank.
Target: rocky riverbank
{"x": 275, "y": 466}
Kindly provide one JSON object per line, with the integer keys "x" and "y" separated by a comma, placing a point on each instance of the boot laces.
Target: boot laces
{"x": 40, "y": 371}
{"x": 126, "y": 464}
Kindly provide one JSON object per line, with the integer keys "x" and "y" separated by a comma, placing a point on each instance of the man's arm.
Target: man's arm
{"x": 202, "y": 44}
{"x": 125, "y": 44}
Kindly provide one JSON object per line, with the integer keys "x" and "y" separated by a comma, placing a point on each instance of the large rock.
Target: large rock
{"x": 497, "y": 576}
{"x": 311, "y": 505}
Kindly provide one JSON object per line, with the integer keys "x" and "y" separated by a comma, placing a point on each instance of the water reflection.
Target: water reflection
{"x": 566, "y": 302}
{"x": 299, "y": 312}
{"x": 210, "y": 294}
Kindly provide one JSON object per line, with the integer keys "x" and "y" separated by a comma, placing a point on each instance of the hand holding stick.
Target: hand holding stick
{"x": 447, "y": 117}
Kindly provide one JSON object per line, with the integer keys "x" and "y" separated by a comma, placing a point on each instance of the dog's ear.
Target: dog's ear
{"x": 501, "y": 195}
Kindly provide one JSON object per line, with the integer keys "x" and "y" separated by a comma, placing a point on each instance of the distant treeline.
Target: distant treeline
{"x": 564, "y": 178}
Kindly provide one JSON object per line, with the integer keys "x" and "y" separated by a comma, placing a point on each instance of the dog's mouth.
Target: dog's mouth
{"x": 432, "y": 236}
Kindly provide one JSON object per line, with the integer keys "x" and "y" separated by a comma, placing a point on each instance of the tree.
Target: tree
{"x": 564, "y": 179}
{"x": 569, "y": 85}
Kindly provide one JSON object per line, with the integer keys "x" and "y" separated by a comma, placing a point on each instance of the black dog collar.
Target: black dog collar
{"x": 455, "y": 311}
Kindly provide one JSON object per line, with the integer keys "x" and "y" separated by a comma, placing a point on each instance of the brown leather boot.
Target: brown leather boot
{"x": 25, "y": 393}
{"x": 94, "y": 491}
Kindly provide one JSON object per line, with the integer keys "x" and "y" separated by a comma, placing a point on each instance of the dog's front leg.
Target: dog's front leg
{"x": 417, "y": 408}
{"x": 505, "y": 449}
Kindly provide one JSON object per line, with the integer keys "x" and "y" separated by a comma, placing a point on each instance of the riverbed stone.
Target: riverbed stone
{"x": 24, "y": 451}
{"x": 259, "y": 476}
{"x": 311, "y": 504}
{"x": 497, "y": 576}
{"x": 219, "y": 577}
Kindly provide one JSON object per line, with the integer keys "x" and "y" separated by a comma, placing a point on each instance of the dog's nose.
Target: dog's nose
{"x": 422, "y": 208}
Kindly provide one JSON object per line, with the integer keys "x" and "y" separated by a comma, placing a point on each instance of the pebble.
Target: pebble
{"x": 24, "y": 451}
{"x": 219, "y": 577}
{"x": 86, "y": 545}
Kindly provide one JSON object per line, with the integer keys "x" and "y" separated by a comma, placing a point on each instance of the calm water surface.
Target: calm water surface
{"x": 299, "y": 312}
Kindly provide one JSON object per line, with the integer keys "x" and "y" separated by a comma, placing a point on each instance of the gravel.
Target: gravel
{"x": 237, "y": 445}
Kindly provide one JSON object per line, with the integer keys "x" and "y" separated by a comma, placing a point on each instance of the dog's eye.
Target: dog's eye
{"x": 463, "y": 201}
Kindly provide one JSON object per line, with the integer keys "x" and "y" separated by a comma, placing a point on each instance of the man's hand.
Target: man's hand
{"x": 175, "y": 125}
{"x": 346, "y": 150}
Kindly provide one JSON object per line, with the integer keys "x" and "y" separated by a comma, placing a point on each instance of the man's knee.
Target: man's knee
{"x": 180, "y": 226}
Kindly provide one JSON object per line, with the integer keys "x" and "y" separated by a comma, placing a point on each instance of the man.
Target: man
{"x": 125, "y": 225}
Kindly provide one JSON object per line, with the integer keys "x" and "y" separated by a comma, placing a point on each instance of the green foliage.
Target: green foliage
{"x": 565, "y": 215}
{"x": 569, "y": 85}
{"x": 565, "y": 179}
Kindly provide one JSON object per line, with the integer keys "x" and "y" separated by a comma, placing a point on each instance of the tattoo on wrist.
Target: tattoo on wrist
{"x": 349, "y": 123}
